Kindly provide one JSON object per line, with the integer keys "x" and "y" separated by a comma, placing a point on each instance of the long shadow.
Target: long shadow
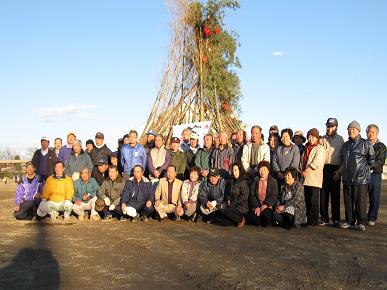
{"x": 32, "y": 267}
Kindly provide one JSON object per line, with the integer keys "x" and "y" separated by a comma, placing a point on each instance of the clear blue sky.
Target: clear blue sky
{"x": 302, "y": 62}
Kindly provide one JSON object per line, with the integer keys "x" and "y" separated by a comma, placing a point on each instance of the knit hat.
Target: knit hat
{"x": 90, "y": 142}
{"x": 313, "y": 132}
{"x": 354, "y": 124}
{"x": 79, "y": 142}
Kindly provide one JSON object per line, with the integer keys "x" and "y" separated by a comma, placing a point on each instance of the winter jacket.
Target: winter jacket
{"x": 159, "y": 159}
{"x": 99, "y": 176}
{"x": 222, "y": 158}
{"x": 98, "y": 153}
{"x": 333, "y": 151}
{"x": 77, "y": 163}
{"x": 190, "y": 157}
{"x": 81, "y": 188}
{"x": 358, "y": 157}
{"x": 51, "y": 160}
{"x": 380, "y": 157}
{"x": 26, "y": 191}
{"x": 285, "y": 157}
{"x": 180, "y": 162}
{"x": 136, "y": 194}
{"x": 58, "y": 189}
{"x": 263, "y": 154}
{"x": 271, "y": 193}
{"x": 132, "y": 156}
{"x": 202, "y": 158}
{"x": 316, "y": 161}
{"x": 184, "y": 146}
{"x": 238, "y": 194}
{"x": 209, "y": 192}
{"x": 162, "y": 191}
{"x": 293, "y": 196}
{"x": 64, "y": 153}
{"x": 112, "y": 189}
{"x": 185, "y": 189}
{"x": 238, "y": 150}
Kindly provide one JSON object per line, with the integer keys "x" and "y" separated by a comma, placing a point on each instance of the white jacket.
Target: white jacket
{"x": 185, "y": 192}
{"x": 263, "y": 154}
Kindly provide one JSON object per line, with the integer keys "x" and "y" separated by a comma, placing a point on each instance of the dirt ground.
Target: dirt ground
{"x": 124, "y": 255}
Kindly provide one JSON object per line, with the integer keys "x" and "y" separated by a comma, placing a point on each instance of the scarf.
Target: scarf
{"x": 262, "y": 186}
{"x": 191, "y": 188}
{"x": 308, "y": 149}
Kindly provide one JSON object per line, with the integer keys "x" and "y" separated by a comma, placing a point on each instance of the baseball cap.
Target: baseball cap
{"x": 103, "y": 160}
{"x": 213, "y": 172}
{"x": 332, "y": 122}
{"x": 175, "y": 140}
{"x": 100, "y": 135}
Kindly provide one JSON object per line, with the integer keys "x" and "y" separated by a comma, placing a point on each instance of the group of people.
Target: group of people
{"x": 287, "y": 181}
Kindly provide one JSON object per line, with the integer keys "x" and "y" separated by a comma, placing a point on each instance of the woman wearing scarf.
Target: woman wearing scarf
{"x": 189, "y": 193}
{"x": 237, "y": 198}
{"x": 312, "y": 165}
{"x": 263, "y": 196}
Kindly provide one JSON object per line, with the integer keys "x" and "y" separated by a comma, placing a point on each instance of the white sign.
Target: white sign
{"x": 200, "y": 128}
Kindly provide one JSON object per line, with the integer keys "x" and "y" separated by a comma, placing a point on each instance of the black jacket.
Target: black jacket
{"x": 271, "y": 193}
{"x": 358, "y": 157}
{"x": 380, "y": 157}
{"x": 238, "y": 194}
{"x": 98, "y": 176}
{"x": 50, "y": 161}
{"x": 97, "y": 153}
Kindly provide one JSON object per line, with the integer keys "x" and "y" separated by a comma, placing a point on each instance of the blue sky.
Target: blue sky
{"x": 97, "y": 65}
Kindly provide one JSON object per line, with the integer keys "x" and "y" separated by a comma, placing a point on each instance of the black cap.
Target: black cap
{"x": 175, "y": 140}
{"x": 332, "y": 122}
{"x": 89, "y": 142}
{"x": 213, "y": 172}
{"x": 103, "y": 160}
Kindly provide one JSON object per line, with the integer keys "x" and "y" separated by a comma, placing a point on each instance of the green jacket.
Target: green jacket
{"x": 81, "y": 188}
{"x": 180, "y": 162}
{"x": 202, "y": 159}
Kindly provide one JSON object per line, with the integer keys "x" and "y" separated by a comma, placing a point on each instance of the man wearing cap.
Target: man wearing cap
{"x": 57, "y": 146}
{"x": 57, "y": 194}
{"x": 331, "y": 186}
{"x": 85, "y": 195}
{"x": 185, "y": 140}
{"x": 109, "y": 194}
{"x": 77, "y": 161}
{"x": 202, "y": 159}
{"x": 211, "y": 194}
{"x": 137, "y": 196}
{"x": 178, "y": 158}
{"x": 150, "y": 141}
{"x": 299, "y": 140}
{"x": 100, "y": 172}
{"x": 132, "y": 154}
{"x": 374, "y": 187}
{"x": 65, "y": 151}
{"x": 255, "y": 151}
{"x": 191, "y": 153}
{"x": 159, "y": 158}
{"x": 44, "y": 159}
{"x": 167, "y": 195}
{"x": 100, "y": 150}
{"x": 358, "y": 157}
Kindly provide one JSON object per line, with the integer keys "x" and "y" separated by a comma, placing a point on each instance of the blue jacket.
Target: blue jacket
{"x": 26, "y": 191}
{"x": 64, "y": 153}
{"x": 132, "y": 156}
{"x": 209, "y": 192}
{"x": 137, "y": 194}
{"x": 81, "y": 188}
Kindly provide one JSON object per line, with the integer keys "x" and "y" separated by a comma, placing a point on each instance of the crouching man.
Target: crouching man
{"x": 167, "y": 195}
{"x": 211, "y": 195}
{"x": 109, "y": 194}
{"x": 85, "y": 195}
{"x": 137, "y": 197}
{"x": 58, "y": 193}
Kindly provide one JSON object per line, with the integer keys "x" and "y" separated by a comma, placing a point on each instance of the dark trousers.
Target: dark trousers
{"x": 330, "y": 188}
{"x": 312, "y": 204}
{"x": 231, "y": 216}
{"x": 374, "y": 189}
{"x": 27, "y": 210}
{"x": 355, "y": 201}
{"x": 284, "y": 219}
{"x": 264, "y": 219}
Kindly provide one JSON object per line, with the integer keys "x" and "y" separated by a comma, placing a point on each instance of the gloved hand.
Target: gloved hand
{"x": 107, "y": 201}
{"x": 112, "y": 207}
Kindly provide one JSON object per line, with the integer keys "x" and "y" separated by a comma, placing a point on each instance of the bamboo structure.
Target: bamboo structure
{"x": 180, "y": 98}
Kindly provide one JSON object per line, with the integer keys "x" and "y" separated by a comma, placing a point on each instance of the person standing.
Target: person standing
{"x": 57, "y": 146}
{"x": 65, "y": 151}
{"x": 100, "y": 150}
{"x": 223, "y": 156}
{"x": 77, "y": 161}
{"x": 132, "y": 154}
{"x": 202, "y": 159}
{"x": 331, "y": 186}
{"x": 240, "y": 141}
{"x": 374, "y": 186}
{"x": 159, "y": 158}
{"x": 178, "y": 158}
{"x": 358, "y": 156}
{"x": 312, "y": 166}
{"x": 44, "y": 159}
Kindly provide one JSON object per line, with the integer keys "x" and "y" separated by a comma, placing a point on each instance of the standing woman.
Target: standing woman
{"x": 312, "y": 165}
{"x": 273, "y": 143}
{"x": 237, "y": 197}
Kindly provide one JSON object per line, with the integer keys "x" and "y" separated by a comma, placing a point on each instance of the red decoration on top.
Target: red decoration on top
{"x": 207, "y": 31}
{"x": 226, "y": 107}
{"x": 216, "y": 29}
{"x": 205, "y": 58}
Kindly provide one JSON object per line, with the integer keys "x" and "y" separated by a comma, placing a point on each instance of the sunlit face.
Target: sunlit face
{"x": 159, "y": 141}
{"x": 132, "y": 138}
{"x": 194, "y": 176}
{"x": 70, "y": 139}
{"x": 114, "y": 160}
{"x": 331, "y": 130}
{"x": 175, "y": 146}
{"x": 372, "y": 134}
{"x": 186, "y": 134}
{"x": 194, "y": 143}
{"x": 98, "y": 141}
{"x": 113, "y": 173}
{"x": 239, "y": 136}
{"x": 312, "y": 139}
{"x": 235, "y": 172}
{"x": 214, "y": 179}
{"x": 255, "y": 135}
{"x": 216, "y": 141}
{"x": 44, "y": 144}
{"x": 353, "y": 133}
{"x": 89, "y": 147}
{"x": 30, "y": 170}
{"x": 264, "y": 172}
{"x": 171, "y": 173}
{"x": 59, "y": 169}
{"x": 208, "y": 141}
{"x": 288, "y": 178}
{"x": 58, "y": 144}
{"x": 285, "y": 138}
{"x": 137, "y": 172}
{"x": 273, "y": 142}
{"x": 223, "y": 138}
{"x": 126, "y": 140}
{"x": 77, "y": 148}
{"x": 150, "y": 138}
{"x": 85, "y": 174}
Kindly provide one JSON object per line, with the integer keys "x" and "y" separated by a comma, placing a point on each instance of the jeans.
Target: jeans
{"x": 374, "y": 189}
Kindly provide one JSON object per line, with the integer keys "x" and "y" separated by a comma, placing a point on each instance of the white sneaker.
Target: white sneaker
{"x": 66, "y": 216}
{"x": 371, "y": 223}
{"x": 53, "y": 215}
{"x": 345, "y": 226}
{"x": 360, "y": 227}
